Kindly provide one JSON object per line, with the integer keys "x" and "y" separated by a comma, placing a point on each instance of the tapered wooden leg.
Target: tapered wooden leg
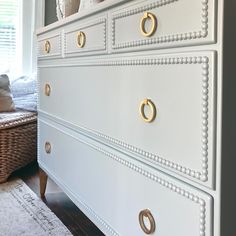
{"x": 43, "y": 182}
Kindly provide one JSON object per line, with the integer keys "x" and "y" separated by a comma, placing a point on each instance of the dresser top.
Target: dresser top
{"x": 80, "y": 15}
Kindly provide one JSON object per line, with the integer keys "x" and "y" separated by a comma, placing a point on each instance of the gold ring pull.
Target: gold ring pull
{"x": 47, "y": 46}
{"x": 48, "y": 147}
{"x": 147, "y": 214}
{"x": 147, "y": 102}
{"x": 47, "y": 90}
{"x": 145, "y": 17}
{"x": 81, "y": 39}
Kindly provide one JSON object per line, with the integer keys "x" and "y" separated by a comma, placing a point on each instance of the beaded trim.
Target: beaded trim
{"x": 204, "y": 62}
{"x": 99, "y": 220}
{"x": 50, "y": 55}
{"x": 89, "y": 211}
{"x": 85, "y": 26}
{"x": 202, "y": 33}
{"x": 162, "y": 182}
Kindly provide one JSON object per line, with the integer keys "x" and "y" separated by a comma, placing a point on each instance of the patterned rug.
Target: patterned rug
{"x": 23, "y": 213}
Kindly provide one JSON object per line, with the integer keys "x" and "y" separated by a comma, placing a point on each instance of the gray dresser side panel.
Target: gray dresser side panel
{"x": 228, "y": 186}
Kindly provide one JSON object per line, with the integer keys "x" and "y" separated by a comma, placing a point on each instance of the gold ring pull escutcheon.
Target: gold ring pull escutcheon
{"x": 147, "y": 102}
{"x": 147, "y": 214}
{"x": 145, "y": 17}
{"x": 47, "y": 46}
{"x": 81, "y": 39}
{"x": 47, "y": 90}
{"x": 48, "y": 147}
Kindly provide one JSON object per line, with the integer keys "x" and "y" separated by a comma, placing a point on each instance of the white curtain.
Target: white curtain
{"x": 19, "y": 20}
{"x": 10, "y": 11}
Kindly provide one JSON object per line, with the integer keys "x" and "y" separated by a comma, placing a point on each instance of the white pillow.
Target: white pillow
{"x": 23, "y": 85}
{"x": 24, "y": 92}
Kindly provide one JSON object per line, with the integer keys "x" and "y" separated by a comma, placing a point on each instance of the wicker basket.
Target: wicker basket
{"x": 18, "y": 141}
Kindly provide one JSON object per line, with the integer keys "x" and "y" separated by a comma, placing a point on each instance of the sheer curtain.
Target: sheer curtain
{"x": 17, "y": 35}
{"x": 10, "y": 11}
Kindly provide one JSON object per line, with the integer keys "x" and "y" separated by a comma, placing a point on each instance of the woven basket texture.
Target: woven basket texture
{"x": 18, "y": 141}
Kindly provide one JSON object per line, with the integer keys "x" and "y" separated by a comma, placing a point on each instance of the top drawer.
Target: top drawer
{"x": 161, "y": 24}
{"x": 86, "y": 38}
{"x": 49, "y": 45}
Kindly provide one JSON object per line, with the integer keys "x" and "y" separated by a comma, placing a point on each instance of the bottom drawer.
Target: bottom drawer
{"x": 120, "y": 194}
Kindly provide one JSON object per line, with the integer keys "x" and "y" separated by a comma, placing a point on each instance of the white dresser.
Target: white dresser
{"x": 137, "y": 115}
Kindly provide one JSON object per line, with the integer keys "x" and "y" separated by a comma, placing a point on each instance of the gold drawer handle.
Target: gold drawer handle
{"x": 48, "y": 147}
{"x": 147, "y": 102}
{"x": 145, "y": 17}
{"x": 81, "y": 39}
{"x": 47, "y": 90}
{"x": 47, "y": 46}
{"x": 147, "y": 214}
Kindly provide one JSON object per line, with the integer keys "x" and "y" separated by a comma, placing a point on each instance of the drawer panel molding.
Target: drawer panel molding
{"x": 179, "y": 38}
{"x": 94, "y": 37}
{"x": 204, "y": 202}
{"x": 166, "y": 184}
{"x": 180, "y": 191}
{"x": 50, "y": 47}
{"x": 199, "y": 175}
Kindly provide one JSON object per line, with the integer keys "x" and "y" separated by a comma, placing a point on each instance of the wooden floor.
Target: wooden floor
{"x": 59, "y": 203}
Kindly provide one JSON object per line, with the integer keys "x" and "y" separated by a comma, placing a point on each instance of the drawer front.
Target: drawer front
{"x": 117, "y": 189}
{"x": 49, "y": 46}
{"x": 161, "y": 24}
{"x": 105, "y": 102}
{"x": 86, "y": 38}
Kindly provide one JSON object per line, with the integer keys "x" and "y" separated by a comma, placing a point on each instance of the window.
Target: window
{"x": 9, "y": 35}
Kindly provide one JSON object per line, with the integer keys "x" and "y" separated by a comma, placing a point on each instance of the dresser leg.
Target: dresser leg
{"x": 43, "y": 182}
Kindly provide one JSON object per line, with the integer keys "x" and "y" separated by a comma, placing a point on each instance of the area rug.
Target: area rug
{"x": 23, "y": 213}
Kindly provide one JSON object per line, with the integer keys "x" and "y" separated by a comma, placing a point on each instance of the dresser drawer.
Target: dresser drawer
{"x": 161, "y": 24}
{"x": 49, "y": 46}
{"x": 104, "y": 101}
{"x": 85, "y": 38}
{"x": 118, "y": 189}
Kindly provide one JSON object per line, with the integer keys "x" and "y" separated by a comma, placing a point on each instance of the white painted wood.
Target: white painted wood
{"x": 93, "y": 109}
{"x": 117, "y": 189}
{"x": 179, "y": 22}
{"x": 95, "y": 33}
{"x": 39, "y": 13}
{"x": 55, "y": 40}
{"x": 172, "y": 83}
{"x": 25, "y": 41}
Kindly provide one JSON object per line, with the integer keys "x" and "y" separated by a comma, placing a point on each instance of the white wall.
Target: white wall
{"x": 32, "y": 19}
{"x": 27, "y": 26}
{"x": 39, "y": 13}
{"x": 39, "y": 9}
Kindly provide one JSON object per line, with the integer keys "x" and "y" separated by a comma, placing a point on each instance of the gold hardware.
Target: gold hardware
{"x": 147, "y": 102}
{"x": 147, "y": 214}
{"x": 47, "y": 90}
{"x": 47, "y": 46}
{"x": 48, "y": 147}
{"x": 81, "y": 39}
{"x": 145, "y": 17}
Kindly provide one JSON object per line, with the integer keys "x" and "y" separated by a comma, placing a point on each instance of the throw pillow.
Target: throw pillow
{"x": 24, "y": 91}
{"x": 6, "y": 102}
{"x": 23, "y": 85}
